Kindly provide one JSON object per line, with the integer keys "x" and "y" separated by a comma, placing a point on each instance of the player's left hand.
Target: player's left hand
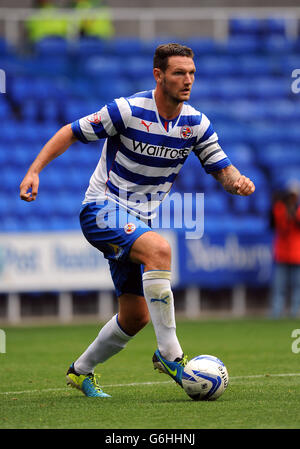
{"x": 244, "y": 186}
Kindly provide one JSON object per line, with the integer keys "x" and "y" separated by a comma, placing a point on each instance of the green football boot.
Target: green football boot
{"x": 87, "y": 383}
{"x": 173, "y": 369}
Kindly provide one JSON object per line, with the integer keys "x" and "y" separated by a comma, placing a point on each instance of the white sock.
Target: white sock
{"x": 160, "y": 301}
{"x": 110, "y": 340}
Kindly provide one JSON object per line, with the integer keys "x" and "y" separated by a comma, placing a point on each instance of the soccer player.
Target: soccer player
{"x": 148, "y": 136}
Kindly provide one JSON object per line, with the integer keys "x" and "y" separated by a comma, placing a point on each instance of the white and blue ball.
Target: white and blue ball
{"x": 205, "y": 378}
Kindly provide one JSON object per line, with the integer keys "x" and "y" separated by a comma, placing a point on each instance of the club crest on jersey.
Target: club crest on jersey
{"x": 95, "y": 118}
{"x": 186, "y": 132}
{"x": 129, "y": 228}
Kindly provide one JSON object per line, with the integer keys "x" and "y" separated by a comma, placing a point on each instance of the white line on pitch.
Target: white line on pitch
{"x": 137, "y": 384}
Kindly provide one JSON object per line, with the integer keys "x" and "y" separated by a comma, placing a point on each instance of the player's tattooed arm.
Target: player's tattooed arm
{"x": 233, "y": 182}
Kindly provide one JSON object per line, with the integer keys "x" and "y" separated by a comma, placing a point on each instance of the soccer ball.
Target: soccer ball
{"x": 205, "y": 378}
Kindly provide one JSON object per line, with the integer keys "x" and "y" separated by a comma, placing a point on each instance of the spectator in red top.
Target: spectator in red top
{"x": 286, "y": 222}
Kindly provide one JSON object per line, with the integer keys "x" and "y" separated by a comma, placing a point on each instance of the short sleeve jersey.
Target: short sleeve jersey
{"x": 141, "y": 158}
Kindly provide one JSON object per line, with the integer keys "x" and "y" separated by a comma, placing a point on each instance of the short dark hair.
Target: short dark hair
{"x": 164, "y": 51}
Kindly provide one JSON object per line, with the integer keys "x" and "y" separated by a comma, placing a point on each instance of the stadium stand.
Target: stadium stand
{"x": 241, "y": 85}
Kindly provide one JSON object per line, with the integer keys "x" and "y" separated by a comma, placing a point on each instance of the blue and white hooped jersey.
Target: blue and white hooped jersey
{"x": 141, "y": 157}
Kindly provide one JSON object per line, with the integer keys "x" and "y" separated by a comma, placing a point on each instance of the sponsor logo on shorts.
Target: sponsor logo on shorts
{"x": 129, "y": 228}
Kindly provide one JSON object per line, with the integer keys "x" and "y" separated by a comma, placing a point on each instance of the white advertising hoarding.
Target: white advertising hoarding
{"x": 58, "y": 261}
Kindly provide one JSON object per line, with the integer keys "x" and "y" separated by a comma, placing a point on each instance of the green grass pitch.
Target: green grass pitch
{"x": 263, "y": 392}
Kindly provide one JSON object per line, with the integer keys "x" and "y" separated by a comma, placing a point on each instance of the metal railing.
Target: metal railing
{"x": 147, "y": 19}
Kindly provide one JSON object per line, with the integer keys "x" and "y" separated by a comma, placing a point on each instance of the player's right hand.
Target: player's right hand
{"x": 29, "y": 187}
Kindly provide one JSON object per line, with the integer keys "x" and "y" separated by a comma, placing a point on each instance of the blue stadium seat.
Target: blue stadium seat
{"x": 31, "y": 109}
{"x": 47, "y": 65}
{"x": 125, "y": 46}
{"x": 47, "y": 200}
{"x": 88, "y": 46}
{"x": 20, "y": 210}
{"x": 282, "y": 110}
{"x": 3, "y": 46}
{"x": 186, "y": 183}
{"x": 202, "y": 45}
{"x": 20, "y": 158}
{"x": 3, "y": 204}
{"x": 8, "y": 54}
{"x": 67, "y": 205}
{"x": 277, "y": 44}
{"x": 32, "y": 224}
{"x": 240, "y": 154}
{"x": 260, "y": 133}
{"x": 51, "y": 109}
{"x": 36, "y": 133}
{"x": 268, "y": 88}
{"x": 217, "y": 66}
{"x": 280, "y": 177}
{"x": 262, "y": 203}
{"x": 26, "y": 88}
{"x": 215, "y": 203}
{"x": 239, "y": 45}
{"x": 75, "y": 109}
{"x": 247, "y": 109}
{"x": 230, "y": 89}
{"x": 117, "y": 88}
{"x": 293, "y": 133}
{"x": 254, "y": 64}
{"x": 5, "y": 109}
{"x": 146, "y": 83}
{"x": 214, "y": 108}
{"x": 8, "y": 133}
{"x": 257, "y": 176}
{"x": 56, "y": 223}
{"x": 10, "y": 224}
{"x": 245, "y": 26}
{"x": 233, "y": 132}
{"x": 149, "y": 45}
{"x": 11, "y": 180}
{"x": 138, "y": 67}
{"x": 241, "y": 205}
{"x": 53, "y": 179}
{"x": 288, "y": 62}
{"x": 5, "y": 156}
{"x": 249, "y": 224}
{"x": 74, "y": 181}
{"x": 21, "y": 89}
{"x": 214, "y": 225}
{"x": 52, "y": 46}
{"x": 103, "y": 68}
{"x": 274, "y": 26}
{"x": 81, "y": 88}
{"x": 204, "y": 89}
{"x": 279, "y": 155}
